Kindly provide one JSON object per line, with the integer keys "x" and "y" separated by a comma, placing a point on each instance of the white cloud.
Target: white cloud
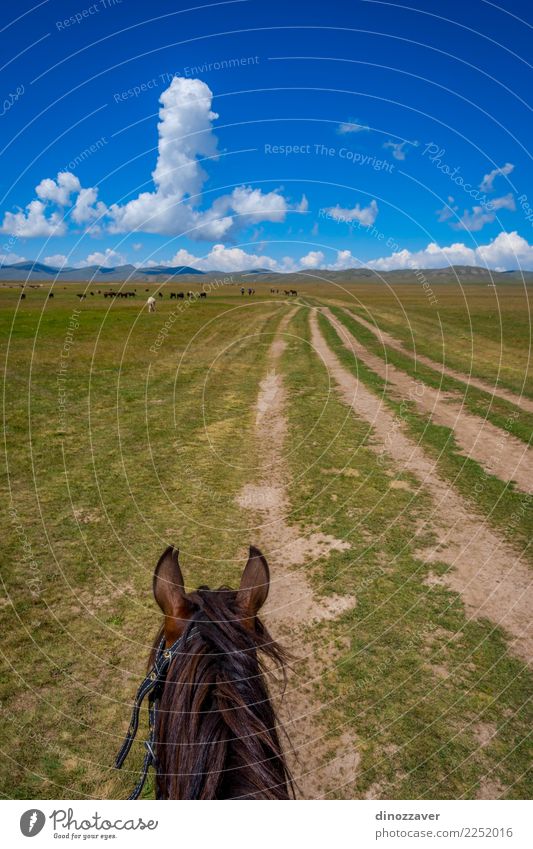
{"x": 351, "y": 127}
{"x": 481, "y": 215}
{"x": 58, "y": 191}
{"x": 11, "y": 259}
{"x": 183, "y": 257}
{"x": 137, "y": 246}
{"x": 56, "y": 260}
{"x": 447, "y": 210}
{"x": 33, "y": 222}
{"x": 398, "y": 149}
{"x": 171, "y": 208}
{"x": 506, "y": 251}
{"x": 39, "y": 220}
{"x": 365, "y": 215}
{"x": 109, "y": 258}
{"x": 314, "y": 259}
{"x": 221, "y": 258}
{"x": 433, "y": 256}
{"x": 245, "y": 206}
{"x": 487, "y": 182}
{"x": 87, "y": 207}
{"x": 186, "y": 134}
{"x": 345, "y": 259}
{"x": 303, "y": 206}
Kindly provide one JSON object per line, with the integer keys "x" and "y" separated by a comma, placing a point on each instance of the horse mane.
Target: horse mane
{"x": 216, "y": 728}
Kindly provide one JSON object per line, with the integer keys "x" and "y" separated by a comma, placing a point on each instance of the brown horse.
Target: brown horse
{"x": 215, "y": 729}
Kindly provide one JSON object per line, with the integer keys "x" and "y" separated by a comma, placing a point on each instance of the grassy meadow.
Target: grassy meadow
{"x": 126, "y": 431}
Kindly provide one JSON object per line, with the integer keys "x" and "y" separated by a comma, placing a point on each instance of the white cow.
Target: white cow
{"x": 151, "y": 304}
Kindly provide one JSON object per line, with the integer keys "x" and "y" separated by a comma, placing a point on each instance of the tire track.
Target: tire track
{"x": 487, "y": 572}
{"x": 292, "y": 606}
{"x": 496, "y": 450}
{"x": 501, "y": 392}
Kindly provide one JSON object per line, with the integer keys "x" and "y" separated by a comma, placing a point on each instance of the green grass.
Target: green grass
{"x": 152, "y": 450}
{"x": 96, "y": 501}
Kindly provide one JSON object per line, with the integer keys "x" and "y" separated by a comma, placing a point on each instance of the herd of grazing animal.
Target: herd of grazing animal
{"x": 173, "y": 295}
{"x": 182, "y": 295}
{"x": 82, "y": 296}
{"x": 285, "y": 292}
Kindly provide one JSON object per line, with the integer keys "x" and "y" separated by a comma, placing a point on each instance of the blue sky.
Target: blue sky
{"x": 282, "y": 135}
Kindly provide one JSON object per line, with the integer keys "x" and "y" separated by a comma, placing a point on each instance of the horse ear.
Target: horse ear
{"x": 168, "y": 586}
{"x": 255, "y": 582}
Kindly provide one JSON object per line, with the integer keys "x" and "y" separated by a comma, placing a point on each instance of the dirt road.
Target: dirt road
{"x": 488, "y": 573}
{"x": 293, "y": 606}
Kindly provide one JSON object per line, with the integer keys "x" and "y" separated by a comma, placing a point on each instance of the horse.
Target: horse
{"x": 215, "y": 732}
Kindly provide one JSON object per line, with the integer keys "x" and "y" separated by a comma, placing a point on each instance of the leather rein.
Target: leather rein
{"x": 152, "y": 687}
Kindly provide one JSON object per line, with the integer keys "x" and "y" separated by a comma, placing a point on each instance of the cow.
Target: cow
{"x": 203, "y": 294}
{"x": 150, "y": 303}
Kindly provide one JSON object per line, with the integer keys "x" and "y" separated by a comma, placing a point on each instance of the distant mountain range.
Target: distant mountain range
{"x": 99, "y": 273}
{"x": 33, "y": 271}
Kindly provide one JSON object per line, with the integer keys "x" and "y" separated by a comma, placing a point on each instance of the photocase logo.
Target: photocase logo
{"x": 32, "y": 822}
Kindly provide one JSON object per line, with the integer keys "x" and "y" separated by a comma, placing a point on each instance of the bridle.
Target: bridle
{"x": 152, "y": 687}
